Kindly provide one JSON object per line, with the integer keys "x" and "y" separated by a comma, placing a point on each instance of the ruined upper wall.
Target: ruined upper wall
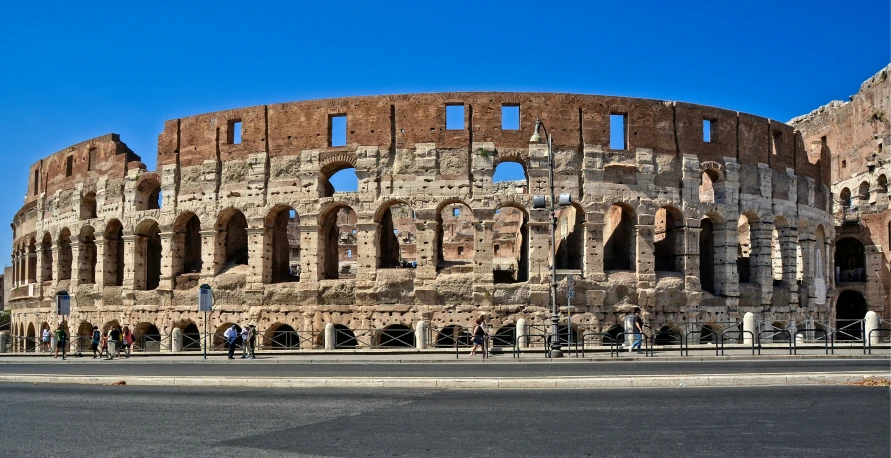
{"x": 86, "y": 162}
{"x": 401, "y": 121}
{"x": 851, "y": 132}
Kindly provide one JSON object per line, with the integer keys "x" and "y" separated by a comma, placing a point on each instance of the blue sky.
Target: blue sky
{"x": 76, "y": 70}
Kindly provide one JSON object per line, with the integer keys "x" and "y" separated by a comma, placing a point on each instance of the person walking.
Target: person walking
{"x": 127, "y": 340}
{"x": 104, "y": 349}
{"x": 45, "y": 341}
{"x": 479, "y": 337}
{"x": 637, "y": 330}
{"x": 245, "y": 341}
{"x": 114, "y": 342}
{"x": 61, "y": 341}
{"x": 94, "y": 342}
{"x": 231, "y": 335}
{"x": 253, "y": 341}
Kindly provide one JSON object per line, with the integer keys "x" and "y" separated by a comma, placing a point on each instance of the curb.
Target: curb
{"x": 697, "y": 381}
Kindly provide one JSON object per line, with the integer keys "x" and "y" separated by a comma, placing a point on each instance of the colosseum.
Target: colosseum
{"x": 695, "y": 214}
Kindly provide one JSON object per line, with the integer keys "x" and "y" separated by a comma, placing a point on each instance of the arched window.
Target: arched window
{"x": 844, "y": 198}
{"x": 708, "y": 178}
{"x": 454, "y": 238}
{"x": 113, "y": 254}
{"x": 32, "y": 261}
{"x": 337, "y": 243}
{"x": 46, "y": 254}
{"x": 850, "y": 308}
{"x": 511, "y": 234}
{"x": 707, "y": 255}
{"x": 396, "y": 335}
{"x": 232, "y": 231}
{"x": 64, "y": 254}
{"x": 668, "y": 238}
{"x": 570, "y": 236}
{"x": 619, "y": 237}
{"x": 776, "y": 256}
{"x": 743, "y": 249}
{"x": 148, "y": 255}
{"x": 87, "y": 255}
{"x": 338, "y": 177}
{"x": 88, "y": 206}
{"x": 850, "y": 260}
{"x": 396, "y": 244}
{"x": 148, "y": 195}
{"x": 510, "y": 178}
{"x": 882, "y": 183}
{"x": 285, "y": 226}
{"x": 863, "y": 193}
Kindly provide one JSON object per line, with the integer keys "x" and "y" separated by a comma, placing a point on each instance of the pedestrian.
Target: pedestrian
{"x": 114, "y": 342}
{"x": 104, "y": 349}
{"x": 231, "y": 336}
{"x": 61, "y": 341}
{"x": 128, "y": 340}
{"x": 45, "y": 341}
{"x": 253, "y": 341}
{"x": 479, "y": 337}
{"x": 94, "y": 342}
{"x": 637, "y": 330}
{"x": 245, "y": 341}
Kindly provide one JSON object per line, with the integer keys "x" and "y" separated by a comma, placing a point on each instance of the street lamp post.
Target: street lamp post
{"x": 564, "y": 201}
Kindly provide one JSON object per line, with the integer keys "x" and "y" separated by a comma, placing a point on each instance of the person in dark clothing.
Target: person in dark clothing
{"x": 94, "y": 342}
{"x": 479, "y": 337}
{"x": 637, "y": 330}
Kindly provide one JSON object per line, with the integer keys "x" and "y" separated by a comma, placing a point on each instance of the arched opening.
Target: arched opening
{"x": 88, "y": 206}
{"x": 338, "y": 240}
{"x": 844, "y": 198}
{"x": 709, "y": 334}
{"x": 708, "y": 178}
{"x": 344, "y": 337}
{"x": 219, "y": 339}
{"x": 148, "y": 255}
{"x": 31, "y": 341}
{"x": 113, "y": 262}
{"x": 148, "y": 195}
{"x": 707, "y": 255}
{"x": 396, "y": 245}
{"x": 506, "y": 336}
{"x": 109, "y": 325}
{"x": 283, "y": 337}
{"x": 65, "y": 254}
{"x": 667, "y": 335}
{"x": 87, "y": 255}
{"x": 613, "y": 335}
{"x": 285, "y": 226}
{"x": 743, "y": 249}
{"x": 619, "y": 236}
{"x": 882, "y": 183}
{"x": 447, "y": 336}
{"x": 336, "y": 178}
{"x": 186, "y": 258}
{"x": 232, "y": 227}
{"x": 849, "y": 310}
{"x": 510, "y": 178}
{"x": 32, "y": 261}
{"x": 850, "y": 260}
{"x": 570, "y": 236}
{"x": 147, "y": 337}
{"x": 84, "y": 336}
{"x": 510, "y": 246}
{"x": 668, "y": 238}
{"x": 191, "y": 338}
{"x": 863, "y": 194}
{"x": 46, "y": 258}
{"x": 454, "y": 239}
{"x": 397, "y": 336}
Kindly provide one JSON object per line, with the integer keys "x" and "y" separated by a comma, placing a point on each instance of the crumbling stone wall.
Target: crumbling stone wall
{"x": 403, "y": 155}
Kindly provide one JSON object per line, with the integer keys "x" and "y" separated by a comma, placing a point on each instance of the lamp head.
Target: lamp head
{"x": 536, "y": 137}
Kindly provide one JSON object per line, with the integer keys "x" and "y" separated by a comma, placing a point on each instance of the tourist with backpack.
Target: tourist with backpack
{"x": 246, "y": 341}
{"x": 127, "y": 340}
{"x": 94, "y": 342}
{"x": 61, "y": 341}
{"x": 114, "y": 342}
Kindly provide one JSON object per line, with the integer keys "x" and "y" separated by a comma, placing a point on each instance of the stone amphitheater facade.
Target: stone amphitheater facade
{"x": 698, "y": 216}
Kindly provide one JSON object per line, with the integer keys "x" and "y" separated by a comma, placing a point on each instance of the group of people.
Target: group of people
{"x": 115, "y": 343}
{"x": 246, "y": 337}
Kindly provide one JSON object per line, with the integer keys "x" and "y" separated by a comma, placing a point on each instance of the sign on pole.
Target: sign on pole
{"x": 570, "y": 288}
{"x": 205, "y": 299}
{"x": 63, "y": 303}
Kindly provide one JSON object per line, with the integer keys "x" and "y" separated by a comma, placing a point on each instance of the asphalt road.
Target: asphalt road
{"x": 76, "y": 420}
{"x": 490, "y": 368}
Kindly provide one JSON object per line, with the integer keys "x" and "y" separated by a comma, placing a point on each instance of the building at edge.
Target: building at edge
{"x": 698, "y": 215}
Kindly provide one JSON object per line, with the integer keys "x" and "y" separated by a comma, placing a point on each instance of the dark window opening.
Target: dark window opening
{"x": 91, "y": 159}
{"x": 511, "y": 233}
{"x": 777, "y": 144}
{"x": 618, "y": 132}
{"x": 337, "y": 134}
{"x": 850, "y": 261}
{"x": 706, "y": 130}
{"x": 235, "y": 131}
{"x": 619, "y": 235}
{"x": 69, "y": 166}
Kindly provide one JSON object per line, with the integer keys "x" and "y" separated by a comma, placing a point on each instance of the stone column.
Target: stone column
{"x": 259, "y": 256}
{"x": 100, "y": 260}
{"x": 761, "y": 234}
{"x": 367, "y": 250}
{"x": 483, "y": 262}
{"x": 787, "y": 237}
{"x": 168, "y": 274}
{"x": 645, "y": 255}
{"x": 692, "y": 229}
{"x": 309, "y": 252}
{"x": 77, "y": 261}
{"x": 176, "y": 340}
{"x": 134, "y": 262}
{"x": 725, "y": 242}
{"x": 807, "y": 243}
{"x": 539, "y": 252}
{"x": 521, "y": 333}
{"x": 421, "y": 335}
{"x": 16, "y": 271}
{"x": 593, "y": 268}
{"x": 330, "y": 337}
{"x": 212, "y": 253}
{"x": 55, "y": 268}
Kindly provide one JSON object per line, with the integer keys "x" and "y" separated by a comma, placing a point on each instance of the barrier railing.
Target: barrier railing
{"x": 701, "y": 333}
{"x": 851, "y": 332}
{"x": 567, "y": 337}
{"x": 774, "y": 333}
{"x": 284, "y": 340}
{"x": 806, "y": 339}
{"x": 151, "y": 343}
{"x": 465, "y": 340}
{"x": 605, "y": 338}
{"x": 534, "y": 334}
{"x": 740, "y": 340}
{"x": 671, "y": 334}
{"x": 868, "y": 342}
